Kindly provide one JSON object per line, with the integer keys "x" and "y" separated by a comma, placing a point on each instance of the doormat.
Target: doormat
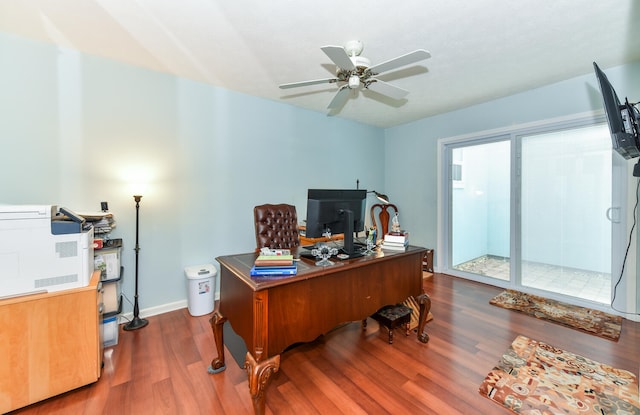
{"x": 535, "y": 378}
{"x": 585, "y": 319}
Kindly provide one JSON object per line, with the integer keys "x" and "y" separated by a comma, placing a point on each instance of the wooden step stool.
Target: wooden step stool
{"x": 392, "y": 316}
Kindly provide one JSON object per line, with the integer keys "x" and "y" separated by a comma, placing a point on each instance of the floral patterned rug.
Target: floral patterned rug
{"x": 534, "y": 378}
{"x": 591, "y": 321}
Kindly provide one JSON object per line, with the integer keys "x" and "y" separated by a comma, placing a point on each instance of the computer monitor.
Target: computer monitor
{"x": 338, "y": 211}
{"x": 622, "y": 119}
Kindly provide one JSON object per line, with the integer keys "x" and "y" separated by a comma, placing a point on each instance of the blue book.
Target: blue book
{"x": 265, "y": 267}
{"x": 273, "y": 271}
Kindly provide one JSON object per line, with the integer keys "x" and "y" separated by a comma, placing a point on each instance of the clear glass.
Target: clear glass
{"x": 565, "y": 193}
{"x": 480, "y": 209}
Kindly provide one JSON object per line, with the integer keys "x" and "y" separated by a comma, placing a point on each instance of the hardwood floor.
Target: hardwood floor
{"x": 162, "y": 369}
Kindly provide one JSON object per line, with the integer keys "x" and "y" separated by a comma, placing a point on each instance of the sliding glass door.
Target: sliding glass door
{"x": 565, "y": 194}
{"x": 529, "y": 210}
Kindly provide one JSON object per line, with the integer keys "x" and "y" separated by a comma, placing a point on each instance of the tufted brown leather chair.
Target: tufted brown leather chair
{"x": 276, "y": 226}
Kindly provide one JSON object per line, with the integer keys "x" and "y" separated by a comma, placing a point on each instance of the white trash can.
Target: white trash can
{"x": 201, "y": 288}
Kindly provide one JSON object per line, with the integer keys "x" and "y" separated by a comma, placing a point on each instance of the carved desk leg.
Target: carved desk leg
{"x": 425, "y": 306}
{"x": 259, "y": 374}
{"x": 217, "y": 364}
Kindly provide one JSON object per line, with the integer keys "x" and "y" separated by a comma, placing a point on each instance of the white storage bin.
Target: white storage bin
{"x": 201, "y": 288}
{"x": 110, "y": 331}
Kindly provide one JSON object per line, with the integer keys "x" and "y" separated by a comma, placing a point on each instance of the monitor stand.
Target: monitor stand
{"x": 355, "y": 254}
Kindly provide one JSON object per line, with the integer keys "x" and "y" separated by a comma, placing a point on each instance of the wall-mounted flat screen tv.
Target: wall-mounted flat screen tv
{"x": 623, "y": 118}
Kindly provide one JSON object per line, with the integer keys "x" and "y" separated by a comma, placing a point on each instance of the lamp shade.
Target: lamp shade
{"x": 381, "y": 197}
{"x": 354, "y": 81}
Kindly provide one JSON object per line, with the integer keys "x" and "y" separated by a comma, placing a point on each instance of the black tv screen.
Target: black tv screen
{"x": 622, "y": 119}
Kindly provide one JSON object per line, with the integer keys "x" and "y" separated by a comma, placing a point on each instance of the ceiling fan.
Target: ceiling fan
{"x": 354, "y": 71}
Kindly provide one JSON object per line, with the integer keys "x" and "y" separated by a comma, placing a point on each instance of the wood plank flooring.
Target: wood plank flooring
{"x": 162, "y": 368}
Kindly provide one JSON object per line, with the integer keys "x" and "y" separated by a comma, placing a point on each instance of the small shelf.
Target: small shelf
{"x": 112, "y": 243}
{"x": 107, "y": 281}
{"x": 114, "y": 313}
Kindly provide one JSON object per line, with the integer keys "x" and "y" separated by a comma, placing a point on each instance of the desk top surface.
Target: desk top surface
{"x": 240, "y": 265}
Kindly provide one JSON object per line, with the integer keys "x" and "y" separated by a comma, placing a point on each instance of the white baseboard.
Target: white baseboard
{"x": 153, "y": 311}
{"x": 160, "y": 309}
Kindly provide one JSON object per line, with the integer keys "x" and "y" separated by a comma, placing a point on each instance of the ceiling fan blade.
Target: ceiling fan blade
{"x": 340, "y": 98}
{"x": 409, "y": 58}
{"x": 339, "y": 56}
{"x": 387, "y": 89}
{"x": 305, "y": 83}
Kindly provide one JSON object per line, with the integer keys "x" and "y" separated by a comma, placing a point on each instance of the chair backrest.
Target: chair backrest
{"x": 276, "y": 226}
{"x": 380, "y": 217}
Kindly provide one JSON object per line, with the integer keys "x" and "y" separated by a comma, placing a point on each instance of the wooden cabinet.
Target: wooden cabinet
{"x": 50, "y": 344}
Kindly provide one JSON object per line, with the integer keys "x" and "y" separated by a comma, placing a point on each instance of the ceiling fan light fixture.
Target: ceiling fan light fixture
{"x": 353, "y": 47}
{"x": 354, "y": 71}
{"x": 354, "y": 81}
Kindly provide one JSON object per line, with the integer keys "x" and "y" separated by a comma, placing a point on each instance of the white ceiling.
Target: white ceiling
{"x": 481, "y": 49}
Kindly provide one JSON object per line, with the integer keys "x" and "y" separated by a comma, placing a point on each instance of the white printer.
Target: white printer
{"x": 42, "y": 249}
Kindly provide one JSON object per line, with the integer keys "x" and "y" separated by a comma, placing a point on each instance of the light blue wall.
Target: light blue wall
{"x": 76, "y": 130}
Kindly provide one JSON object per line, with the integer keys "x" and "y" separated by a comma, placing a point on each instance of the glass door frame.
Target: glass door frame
{"x": 449, "y": 195}
{"x": 513, "y": 134}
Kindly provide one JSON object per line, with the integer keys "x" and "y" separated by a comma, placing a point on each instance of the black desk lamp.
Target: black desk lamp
{"x": 381, "y": 197}
{"x": 137, "y": 322}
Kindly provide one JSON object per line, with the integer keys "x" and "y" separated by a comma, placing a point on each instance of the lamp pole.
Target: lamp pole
{"x": 137, "y": 322}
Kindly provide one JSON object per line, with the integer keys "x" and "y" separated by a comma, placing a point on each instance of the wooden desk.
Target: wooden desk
{"x": 272, "y": 314}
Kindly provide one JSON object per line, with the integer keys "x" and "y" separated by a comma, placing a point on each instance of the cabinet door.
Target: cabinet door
{"x": 54, "y": 344}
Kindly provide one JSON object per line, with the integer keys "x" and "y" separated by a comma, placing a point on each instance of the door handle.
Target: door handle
{"x": 611, "y": 212}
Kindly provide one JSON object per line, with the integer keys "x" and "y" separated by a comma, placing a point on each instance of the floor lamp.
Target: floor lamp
{"x": 137, "y": 322}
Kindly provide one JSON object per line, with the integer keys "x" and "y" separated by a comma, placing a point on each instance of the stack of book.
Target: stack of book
{"x": 396, "y": 241}
{"x": 273, "y": 266}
